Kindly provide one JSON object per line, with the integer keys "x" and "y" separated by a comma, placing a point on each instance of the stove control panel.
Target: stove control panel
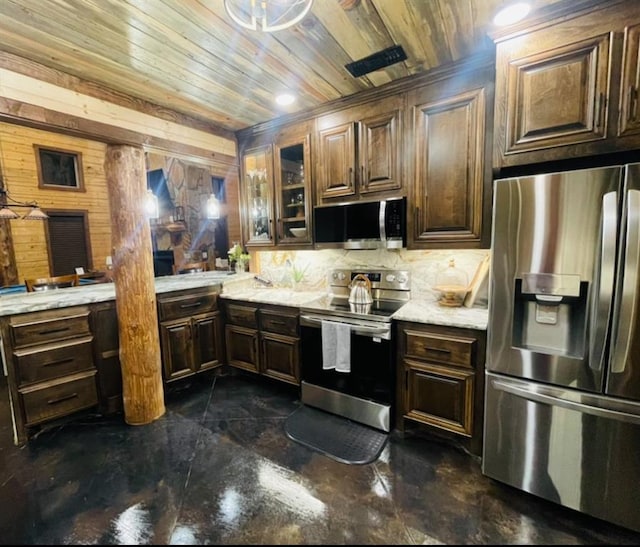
{"x": 383, "y": 279}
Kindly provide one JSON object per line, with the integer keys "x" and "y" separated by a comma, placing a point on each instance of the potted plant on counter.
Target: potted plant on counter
{"x": 238, "y": 258}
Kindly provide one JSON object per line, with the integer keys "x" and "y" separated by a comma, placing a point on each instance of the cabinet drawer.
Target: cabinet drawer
{"x": 59, "y": 398}
{"x": 40, "y": 328}
{"x": 40, "y": 363}
{"x": 186, "y": 306}
{"x": 245, "y": 316}
{"x": 278, "y": 322}
{"x": 441, "y": 349}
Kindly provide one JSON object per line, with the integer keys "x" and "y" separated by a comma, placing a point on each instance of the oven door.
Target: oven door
{"x": 366, "y": 394}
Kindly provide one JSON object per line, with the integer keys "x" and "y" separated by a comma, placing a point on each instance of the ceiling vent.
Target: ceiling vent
{"x": 381, "y": 59}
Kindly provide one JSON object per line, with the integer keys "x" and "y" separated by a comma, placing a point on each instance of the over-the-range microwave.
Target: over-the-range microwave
{"x": 361, "y": 224}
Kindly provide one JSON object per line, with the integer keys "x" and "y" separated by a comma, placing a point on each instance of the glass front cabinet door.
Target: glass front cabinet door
{"x": 293, "y": 197}
{"x": 257, "y": 192}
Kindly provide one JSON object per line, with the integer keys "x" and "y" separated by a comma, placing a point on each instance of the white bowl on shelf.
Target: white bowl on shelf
{"x": 298, "y": 232}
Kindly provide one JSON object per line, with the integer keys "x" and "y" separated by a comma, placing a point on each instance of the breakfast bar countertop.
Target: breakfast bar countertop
{"x": 23, "y": 302}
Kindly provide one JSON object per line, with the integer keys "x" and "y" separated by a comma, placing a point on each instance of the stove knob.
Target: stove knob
{"x": 402, "y": 279}
{"x": 390, "y": 278}
{"x": 340, "y": 276}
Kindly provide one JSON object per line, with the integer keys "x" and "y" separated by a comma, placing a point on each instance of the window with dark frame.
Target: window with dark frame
{"x": 60, "y": 169}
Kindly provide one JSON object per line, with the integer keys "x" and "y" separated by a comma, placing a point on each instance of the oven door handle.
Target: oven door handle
{"x": 382, "y": 331}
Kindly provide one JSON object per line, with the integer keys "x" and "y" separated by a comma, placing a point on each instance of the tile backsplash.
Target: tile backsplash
{"x": 423, "y": 266}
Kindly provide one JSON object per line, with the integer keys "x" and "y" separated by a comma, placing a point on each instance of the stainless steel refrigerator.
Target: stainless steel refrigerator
{"x": 562, "y": 402}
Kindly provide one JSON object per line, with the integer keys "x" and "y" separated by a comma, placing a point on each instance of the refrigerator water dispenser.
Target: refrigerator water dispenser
{"x": 550, "y": 314}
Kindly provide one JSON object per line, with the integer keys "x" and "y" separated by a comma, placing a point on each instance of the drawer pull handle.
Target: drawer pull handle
{"x": 439, "y": 350}
{"x": 53, "y": 331}
{"x": 193, "y": 305}
{"x": 58, "y": 362}
{"x": 62, "y": 399}
{"x": 278, "y": 322}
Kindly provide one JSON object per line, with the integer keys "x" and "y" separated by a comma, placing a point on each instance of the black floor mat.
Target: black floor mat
{"x": 337, "y": 437}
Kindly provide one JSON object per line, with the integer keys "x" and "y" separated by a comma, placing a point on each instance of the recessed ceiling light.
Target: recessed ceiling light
{"x": 285, "y": 99}
{"x": 511, "y": 14}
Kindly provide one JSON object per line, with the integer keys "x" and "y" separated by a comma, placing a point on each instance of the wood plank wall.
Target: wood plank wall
{"x": 18, "y": 160}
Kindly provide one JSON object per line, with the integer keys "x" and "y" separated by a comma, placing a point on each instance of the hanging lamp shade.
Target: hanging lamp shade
{"x": 35, "y": 214}
{"x": 267, "y": 15}
{"x": 8, "y": 214}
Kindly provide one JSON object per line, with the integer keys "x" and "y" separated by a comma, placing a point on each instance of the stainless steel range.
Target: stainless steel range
{"x": 365, "y": 391}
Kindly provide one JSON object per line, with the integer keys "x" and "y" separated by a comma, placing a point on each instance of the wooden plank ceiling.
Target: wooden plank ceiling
{"x": 190, "y": 57}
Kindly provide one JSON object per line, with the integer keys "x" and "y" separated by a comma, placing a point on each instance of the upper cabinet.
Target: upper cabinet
{"x": 568, "y": 88}
{"x": 292, "y": 150}
{"x": 449, "y": 155}
{"x": 276, "y": 188}
{"x": 359, "y": 151}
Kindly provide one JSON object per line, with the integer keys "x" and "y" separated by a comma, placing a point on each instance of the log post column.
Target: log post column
{"x": 140, "y": 359}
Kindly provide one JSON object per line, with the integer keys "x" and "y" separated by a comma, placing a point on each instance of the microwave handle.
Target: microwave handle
{"x": 381, "y": 221}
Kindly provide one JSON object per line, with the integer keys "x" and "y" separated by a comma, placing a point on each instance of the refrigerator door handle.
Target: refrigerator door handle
{"x": 537, "y": 394}
{"x": 604, "y": 297}
{"x": 624, "y": 326}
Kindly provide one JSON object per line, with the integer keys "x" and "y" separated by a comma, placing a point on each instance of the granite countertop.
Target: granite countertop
{"x": 419, "y": 310}
{"x": 16, "y": 303}
{"x": 236, "y": 287}
{"x": 430, "y": 312}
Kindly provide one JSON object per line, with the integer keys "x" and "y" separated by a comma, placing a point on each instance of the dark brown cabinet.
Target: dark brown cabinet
{"x": 264, "y": 339}
{"x": 190, "y": 332}
{"x": 106, "y": 354}
{"x": 50, "y": 366}
{"x": 568, "y": 88}
{"x": 450, "y": 161}
{"x": 280, "y": 343}
{"x": 276, "y": 187}
{"x": 241, "y": 335}
{"x": 441, "y": 380}
{"x": 359, "y": 151}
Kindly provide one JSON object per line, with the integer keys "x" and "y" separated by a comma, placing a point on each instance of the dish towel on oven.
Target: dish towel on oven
{"x": 336, "y": 346}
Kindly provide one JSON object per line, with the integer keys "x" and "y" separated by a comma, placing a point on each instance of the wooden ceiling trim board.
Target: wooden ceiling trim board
{"x": 15, "y": 63}
{"x": 292, "y": 71}
{"x": 157, "y": 92}
{"x": 314, "y": 45}
{"x": 185, "y": 54}
{"x": 37, "y": 92}
{"x": 233, "y": 74}
{"x": 458, "y": 21}
{"x": 37, "y": 117}
{"x": 131, "y": 53}
{"x": 343, "y": 30}
{"x": 369, "y": 27}
{"x": 405, "y": 20}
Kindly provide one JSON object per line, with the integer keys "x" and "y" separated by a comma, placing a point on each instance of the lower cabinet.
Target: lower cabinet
{"x": 190, "y": 332}
{"x": 106, "y": 354}
{"x": 264, "y": 339}
{"x": 50, "y": 366}
{"x": 441, "y": 381}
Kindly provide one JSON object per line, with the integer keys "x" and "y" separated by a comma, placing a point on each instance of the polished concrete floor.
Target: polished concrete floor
{"x": 217, "y": 468}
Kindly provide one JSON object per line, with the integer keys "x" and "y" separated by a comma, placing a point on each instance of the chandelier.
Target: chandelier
{"x": 267, "y": 15}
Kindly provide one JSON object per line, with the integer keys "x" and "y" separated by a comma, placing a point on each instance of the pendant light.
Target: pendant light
{"x": 267, "y": 15}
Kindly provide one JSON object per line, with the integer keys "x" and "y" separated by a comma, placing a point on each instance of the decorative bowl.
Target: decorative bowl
{"x": 298, "y": 232}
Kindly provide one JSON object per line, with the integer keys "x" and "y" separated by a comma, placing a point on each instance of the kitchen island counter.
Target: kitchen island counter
{"x": 17, "y": 303}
